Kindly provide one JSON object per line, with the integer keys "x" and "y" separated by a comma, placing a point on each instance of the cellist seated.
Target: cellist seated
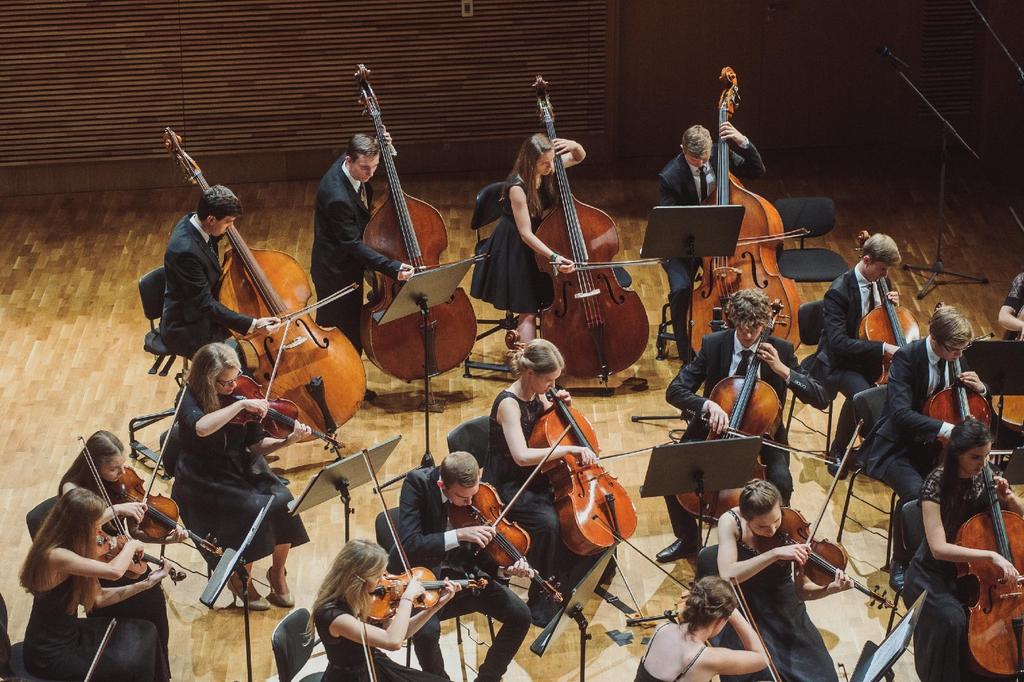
{"x": 950, "y": 495}
{"x": 423, "y": 529}
{"x": 729, "y": 353}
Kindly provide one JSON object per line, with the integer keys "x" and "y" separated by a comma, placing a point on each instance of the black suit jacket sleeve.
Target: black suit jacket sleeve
{"x": 746, "y": 163}
{"x": 900, "y": 400}
{"x": 682, "y": 392}
{"x": 342, "y": 225}
{"x": 841, "y": 346}
{"x": 423, "y": 548}
{"x": 187, "y": 271}
{"x": 670, "y": 194}
{"x": 804, "y": 386}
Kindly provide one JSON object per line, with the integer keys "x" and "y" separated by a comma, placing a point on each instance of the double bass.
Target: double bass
{"x": 599, "y": 325}
{"x": 410, "y": 230}
{"x": 590, "y": 502}
{"x": 754, "y": 265}
{"x": 888, "y": 323}
{"x": 316, "y": 368}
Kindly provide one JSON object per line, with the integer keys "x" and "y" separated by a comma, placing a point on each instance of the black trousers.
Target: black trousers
{"x": 497, "y": 601}
{"x": 680, "y": 286}
{"x": 905, "y": 476}
{"x": 776, "y": 462}
{"x": 343, "y": 313}
{"x": 849, "y": 383}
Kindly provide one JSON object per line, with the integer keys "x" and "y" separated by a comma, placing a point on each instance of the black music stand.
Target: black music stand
{"x": 420, "y": 293}
{"x": 584, "y": 591}
{"x": 339, "y": 478}
{"x": 1000, "y": 364}
{"x": 233, "y": 561}
{"x": 1014, "y": 473}
{"x": 690, "y": 232}
{"x": 876, "y": 662}
{"x": 699, "y": 466}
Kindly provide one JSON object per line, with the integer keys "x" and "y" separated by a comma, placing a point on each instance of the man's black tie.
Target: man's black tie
{"x": 703, "y": 184}
{"x": 744, "y": 365}
{"x": 362, "y": 196}
{"x": 871, "y": 297}
{"x": 943, "y": 375}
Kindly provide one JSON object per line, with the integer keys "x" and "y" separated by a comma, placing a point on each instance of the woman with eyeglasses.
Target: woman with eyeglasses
{"x": 222, "y": 479}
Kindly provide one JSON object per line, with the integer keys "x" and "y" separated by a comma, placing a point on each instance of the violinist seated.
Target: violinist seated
{"x": 222, "y": 479}
{"x": 341, "y": 617}
{"x": 107, "y": 453}
{"x": 775, "y": 585}
{"x": 679, "y": 651}
{"x": 62, "y": 572}
{"x": 688, "y": 180}
{"x": 514, "y": 414}
{"x": 192, "y": 316}
{"x": 900, "y": 450}
{"x": 844, "y": 362}
{"x": 950, "y": 495}
{"x": 343, "y": 204}
{"x": 729, "y": 353}
{"x": 428, "y": 540}
{"x": 1010, "y": 312}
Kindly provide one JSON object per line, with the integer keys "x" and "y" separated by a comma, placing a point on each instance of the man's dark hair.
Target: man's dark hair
{"x": 362, "y": 145}
{"x": 220, "y": 202}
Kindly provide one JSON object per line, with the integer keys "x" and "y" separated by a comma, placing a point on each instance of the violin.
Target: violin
{"x": 317, "y": 368}
{"x": 995, "y": 607}
{"x": 412, "y": 231}
{"x": 888, "y": 322}
{"x": 109, "y": 541}
{"x": 599, "y": 325}
{"x": 826, "y": 556}
{"x": 590, "y": 502}
{"x": 511, "y": 542}
{"x": 754, "y": 265}
{"x": 281, "y": 416}
{"x": 754, "y": 410}
{"x": 388, "y": 590}
{"x": 162, "y": 515}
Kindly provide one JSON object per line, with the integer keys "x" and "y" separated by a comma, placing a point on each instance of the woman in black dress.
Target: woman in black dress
{"x": 107, "y": 454}
{"x": 679, "y": 651}
{"x": 947, "y": 501}
{"x": 61, "y": 572}
{"x": 222, "y": 479}
{"x": 508, "y": 278}
{"x": 775, "y": 586}
{"x": 514, "y": 413}
{"x": 341, "y": 612}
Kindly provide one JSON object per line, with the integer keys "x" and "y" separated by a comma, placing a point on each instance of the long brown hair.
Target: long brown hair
{"x": 359, "y": 563}
{"x": 103, "y": 446}
{"x": 71, "y": 524}
{"x": 207, "y": 364}
{"x": 525, "y": 168}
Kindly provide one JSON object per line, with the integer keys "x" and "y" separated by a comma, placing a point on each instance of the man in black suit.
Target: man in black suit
{"x": 429, "y": 541}
{"x": 843, "y": 362}
{"x": 339, "y": 257}
{"x": 901, "y": 448}
{"x": 192, "y": 317}
{"x": 729, "y": 353}
{"x": 687, "y": 180}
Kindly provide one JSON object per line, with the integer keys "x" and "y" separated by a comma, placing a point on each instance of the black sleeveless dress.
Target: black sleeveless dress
{"x": 508, "y": 278}
{"x": 61, "y": 646}
{"x": 793, "y": 641}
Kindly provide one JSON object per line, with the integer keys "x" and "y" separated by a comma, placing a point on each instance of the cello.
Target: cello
{"x": 594, "y": 510}
{"x": 410, "y": 230}
{"x": 600, "y": 326}
{"x": 317, "y": 368}
{"x": 754, "y": 265}
{"x": 995, "y": 620}
{"x": 888, "y": 323}
{"x": 754, "y": 410}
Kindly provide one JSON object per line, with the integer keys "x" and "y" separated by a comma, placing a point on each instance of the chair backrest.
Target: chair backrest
{"x": 35, "y": 517}
{"x": 868, "y": 406}
{"x": 816, "y": 214}
{"x": 472, "y": 436}
{"x": 151, "y": 291}
{"x": 488, "y": 205}
{"x": 292, "y": 646}
{"x": 380, "y": 529}
{"x": 810, "y": 321}
{"x": 707, "y": 562}
{"x": 913, "y": 525}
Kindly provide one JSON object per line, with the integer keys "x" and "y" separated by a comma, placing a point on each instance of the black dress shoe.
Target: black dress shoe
{"x": 678, "y": 550}
{"x": 897, "y": 575}
{"x": 370, "y": 395}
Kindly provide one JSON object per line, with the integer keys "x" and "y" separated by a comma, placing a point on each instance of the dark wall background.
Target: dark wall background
{"x": 262, "y": 89}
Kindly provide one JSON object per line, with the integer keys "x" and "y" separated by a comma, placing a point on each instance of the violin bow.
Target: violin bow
{"x": 835, "y": 479}
{"x": 119, "y": 524}
{"x": 370, "y": 667}
{"x": 745, "y": 611}
{"x": 391, "y": 525}
{"x": 160, "y": 454}
{"x": 102, "y": 647}
{"x": 287, "y": 317}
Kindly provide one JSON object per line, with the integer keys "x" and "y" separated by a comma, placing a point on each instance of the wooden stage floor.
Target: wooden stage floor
{"x": 72, "y": 330}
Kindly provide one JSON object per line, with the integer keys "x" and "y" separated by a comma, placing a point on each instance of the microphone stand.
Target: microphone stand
{"x": 1016, "y": 66}
{"x": 937, "y": 269}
